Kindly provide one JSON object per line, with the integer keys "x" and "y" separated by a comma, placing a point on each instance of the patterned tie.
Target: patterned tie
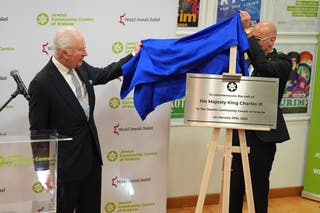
{"x": 80, "y": 98}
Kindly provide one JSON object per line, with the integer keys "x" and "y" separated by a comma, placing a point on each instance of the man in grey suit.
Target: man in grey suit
{"x": 63, "y": 99}
{"x": 267, "y": 62}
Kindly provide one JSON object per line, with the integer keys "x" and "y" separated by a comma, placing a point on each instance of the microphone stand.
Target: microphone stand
{"x": 12, "y": 97}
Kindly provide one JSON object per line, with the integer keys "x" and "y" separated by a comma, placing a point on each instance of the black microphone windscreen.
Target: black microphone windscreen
{"x": 14, "y": 72}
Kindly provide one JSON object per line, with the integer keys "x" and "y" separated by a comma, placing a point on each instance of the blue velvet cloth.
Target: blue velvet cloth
{"x": 158, "y": 72}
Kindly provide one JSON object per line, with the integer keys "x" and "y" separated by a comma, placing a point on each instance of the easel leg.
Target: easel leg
{"x": 207, "y": 170}
{"x": 246, "y": 170}
{"x": 226, "y": 172}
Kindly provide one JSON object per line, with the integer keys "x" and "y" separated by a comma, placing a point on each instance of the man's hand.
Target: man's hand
{"x": 245, "y": 19}
{"x": 137, "y": 47}
{"x": 45, "y": 178}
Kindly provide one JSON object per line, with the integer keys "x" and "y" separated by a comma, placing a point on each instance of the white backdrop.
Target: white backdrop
{"x": 135, "y": 153}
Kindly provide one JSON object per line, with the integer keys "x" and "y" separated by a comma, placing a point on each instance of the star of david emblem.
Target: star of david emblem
{"x": 232, "y": 86}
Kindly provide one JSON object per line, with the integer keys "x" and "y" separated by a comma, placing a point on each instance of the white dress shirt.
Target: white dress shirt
{"x": 64, "y": 72}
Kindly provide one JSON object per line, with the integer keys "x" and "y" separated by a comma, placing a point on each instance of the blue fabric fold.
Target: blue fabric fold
{"x": 158, "y": 72}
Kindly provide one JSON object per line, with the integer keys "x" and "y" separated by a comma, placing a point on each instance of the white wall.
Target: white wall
{"x": 188, "y": 151}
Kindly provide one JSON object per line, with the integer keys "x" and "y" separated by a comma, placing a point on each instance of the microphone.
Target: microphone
{"x": 21, "y": 87}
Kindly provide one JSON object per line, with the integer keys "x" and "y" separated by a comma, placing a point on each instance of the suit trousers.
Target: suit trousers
{"x": 81, "y": 196}
{"x": 261, "y": 158}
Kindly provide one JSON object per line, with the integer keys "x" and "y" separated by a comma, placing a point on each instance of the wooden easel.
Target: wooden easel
{"x": 228, "y": 149}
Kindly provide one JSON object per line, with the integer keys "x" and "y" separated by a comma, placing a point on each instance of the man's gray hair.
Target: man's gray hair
{"x": 64, "y": 38}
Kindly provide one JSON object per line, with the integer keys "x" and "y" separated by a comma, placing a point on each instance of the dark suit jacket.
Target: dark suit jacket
{"x": 273, "y": 65}
{"x": 53, "y": 105}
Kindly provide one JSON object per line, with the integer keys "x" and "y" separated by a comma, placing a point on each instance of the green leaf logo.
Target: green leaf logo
{"x": 42, "y": 19}
{"x": 110, "y": 207}
{"x": 114, "y": 102}
{"x": 117, "y": 47}
{"x": 37, "y": 187}
{"x": 112, "y": 156}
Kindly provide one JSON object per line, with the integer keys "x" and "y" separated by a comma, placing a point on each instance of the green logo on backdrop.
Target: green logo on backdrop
{"x": 42, "y": 19}
{"x": 5, "y": 49}
{"x": 61, "y": 19}
{"x": 37, "y": 187}
{"x": 114, "y": 102}
{"x": 2, "y": 161}
{"x": 117, "y": 47}
{"x": 110, "y": 207}
{"x": 112, "y": 156}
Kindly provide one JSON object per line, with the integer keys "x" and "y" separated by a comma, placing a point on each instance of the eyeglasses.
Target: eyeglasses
{"x": 263, "y": 39}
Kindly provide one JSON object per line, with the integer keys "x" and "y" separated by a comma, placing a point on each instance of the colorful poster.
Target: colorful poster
{"x": 188, "y": 13}
{"x": 296, "y": 95}
{"x": 227, "y": 8}
{"x": 296, "y": 15}
{"x": 311, "y": 188}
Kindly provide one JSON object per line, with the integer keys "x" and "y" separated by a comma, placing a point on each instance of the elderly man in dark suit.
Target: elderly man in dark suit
{"x": 63, "y": 99}
{"x": 266, "y": 62}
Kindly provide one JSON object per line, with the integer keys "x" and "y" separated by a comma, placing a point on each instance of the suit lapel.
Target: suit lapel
{"x": 65, "y": 91}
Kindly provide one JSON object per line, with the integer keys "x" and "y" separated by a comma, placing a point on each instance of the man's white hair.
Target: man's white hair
{"x": 64, "y": 38}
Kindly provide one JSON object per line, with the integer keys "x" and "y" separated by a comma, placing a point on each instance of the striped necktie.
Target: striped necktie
{"x": 80, "y": 98}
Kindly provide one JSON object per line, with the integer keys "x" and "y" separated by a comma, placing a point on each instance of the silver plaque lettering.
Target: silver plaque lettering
{"x": 231, "y": 102}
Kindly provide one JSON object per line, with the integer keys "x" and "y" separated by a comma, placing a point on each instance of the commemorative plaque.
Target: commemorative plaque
{"x": 231, "y": 102}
